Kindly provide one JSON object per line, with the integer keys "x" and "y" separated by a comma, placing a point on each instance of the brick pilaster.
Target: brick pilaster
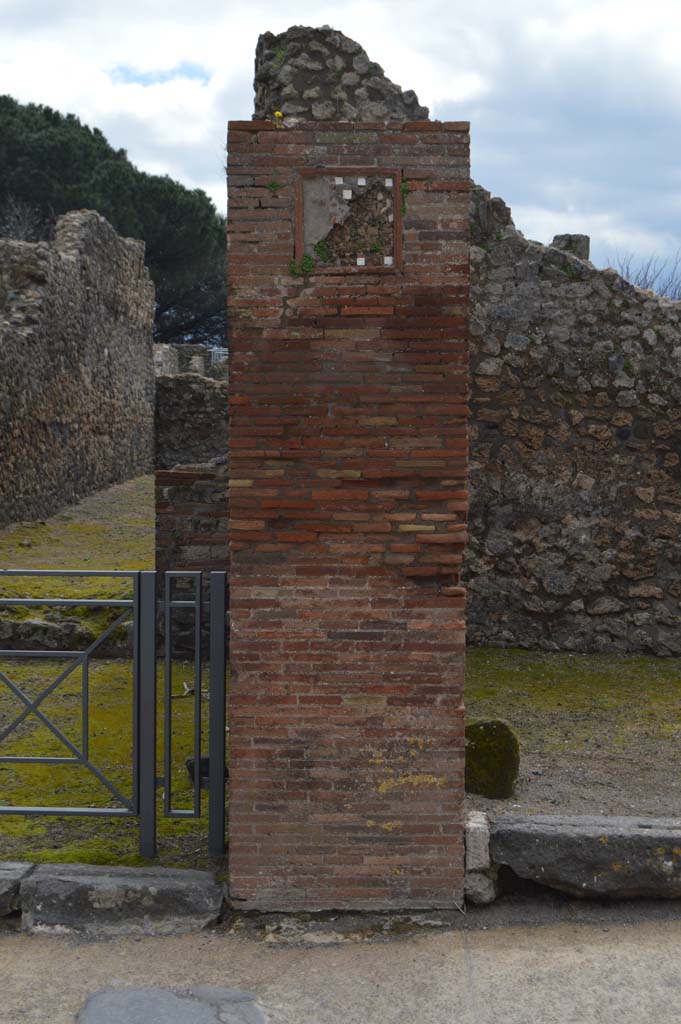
{"x": 348, "y": 447}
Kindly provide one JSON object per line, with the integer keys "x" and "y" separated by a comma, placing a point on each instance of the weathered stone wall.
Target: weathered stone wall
{"x": 191, "y": 419}
{"x": 76, "y": 367}
{"x": 575, "y": 522}
{"x": 191, "y": 474}
{"x": 319, "y": 74}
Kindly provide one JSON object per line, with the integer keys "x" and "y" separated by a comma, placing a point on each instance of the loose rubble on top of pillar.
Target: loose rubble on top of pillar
{"x": 319, "y": 74}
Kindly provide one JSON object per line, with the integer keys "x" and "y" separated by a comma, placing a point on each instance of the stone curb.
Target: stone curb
{"x": 592, "y": 857}
{"x": 12, "y": 873}
{"x": 586, "y": 856}
{"x": 102, "y": 901}
{"x": 589, "y": 857}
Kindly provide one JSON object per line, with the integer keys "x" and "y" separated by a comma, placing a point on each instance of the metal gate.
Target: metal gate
{"x": 147, "y": 615}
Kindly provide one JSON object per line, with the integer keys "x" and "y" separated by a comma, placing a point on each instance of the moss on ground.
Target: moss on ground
{"x": 113, "y": 529}
{"x": 586, "y": 703}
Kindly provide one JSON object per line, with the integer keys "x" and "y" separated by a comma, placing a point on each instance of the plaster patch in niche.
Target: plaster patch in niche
{"x": 348, "y": 221}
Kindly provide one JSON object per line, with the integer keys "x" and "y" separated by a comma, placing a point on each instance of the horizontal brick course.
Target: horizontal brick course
{"x": 348, "y": 467}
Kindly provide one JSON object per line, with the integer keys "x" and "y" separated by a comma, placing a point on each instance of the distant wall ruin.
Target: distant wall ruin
{"x": 76, "y": 368}
{"x": 191, "y": 473}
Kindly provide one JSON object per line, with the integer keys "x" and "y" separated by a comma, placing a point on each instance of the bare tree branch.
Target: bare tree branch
{"x": 653, "y": 274}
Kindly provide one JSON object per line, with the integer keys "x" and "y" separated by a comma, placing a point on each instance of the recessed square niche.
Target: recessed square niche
{"x": 349, "y": 219}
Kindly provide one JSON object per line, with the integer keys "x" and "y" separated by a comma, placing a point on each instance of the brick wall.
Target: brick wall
{"x": 348, "y": 502}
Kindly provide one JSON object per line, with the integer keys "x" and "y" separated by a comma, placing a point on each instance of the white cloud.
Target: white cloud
{"x": 610, "y": 233}
{"x": 575, "y": 104}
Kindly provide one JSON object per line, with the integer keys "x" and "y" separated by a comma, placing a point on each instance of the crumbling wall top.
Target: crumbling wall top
{"x": 319, "y": 74}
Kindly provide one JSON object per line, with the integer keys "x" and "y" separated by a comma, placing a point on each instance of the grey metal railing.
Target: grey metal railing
{"x": 139, "y": 609}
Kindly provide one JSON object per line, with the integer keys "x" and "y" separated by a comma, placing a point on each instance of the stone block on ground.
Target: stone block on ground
{"x": 118, "y": 900}
{"x": 492, "y": 759}
{"x": 204, "y": 1004}
{"x": 12, "y": 872}
{"x": 480, "y": 882}
{"x": 480, "y": 888}
{"x": 617, "y": 857}
{"x": 477, "y": 841}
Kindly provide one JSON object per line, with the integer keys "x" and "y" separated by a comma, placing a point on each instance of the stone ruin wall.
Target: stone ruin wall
{"x": 575, "y": 522}
{"x": 76, "y": 367}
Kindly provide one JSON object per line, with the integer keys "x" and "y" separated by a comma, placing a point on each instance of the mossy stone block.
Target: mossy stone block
{"x": 492, "y": 759}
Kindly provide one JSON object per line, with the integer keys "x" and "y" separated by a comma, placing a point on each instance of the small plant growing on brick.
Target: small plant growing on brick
{"x": 404, "y": 189}
{"x": 323, "y": 251}
{"x": 304, "y": 266}
{"x": 274, "y": 186}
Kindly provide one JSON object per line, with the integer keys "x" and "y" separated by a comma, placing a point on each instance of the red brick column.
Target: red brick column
{"x": 348, "y": 503}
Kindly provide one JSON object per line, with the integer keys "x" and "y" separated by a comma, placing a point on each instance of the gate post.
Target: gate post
{"x": 145, "y": 670}
{"x": 348, "y": 291}
{"x": 217, "y": 716}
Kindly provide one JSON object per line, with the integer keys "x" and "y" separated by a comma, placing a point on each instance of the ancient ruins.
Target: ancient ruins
{"x": 76, "y": 371}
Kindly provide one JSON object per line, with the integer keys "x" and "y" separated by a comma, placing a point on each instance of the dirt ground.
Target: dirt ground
{"x": 598, "y": 734}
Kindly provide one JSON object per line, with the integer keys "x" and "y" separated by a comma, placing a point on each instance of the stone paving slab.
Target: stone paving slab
{"x": 12, "y": 872}
{"x": 116, "y": 900}
{"x": 204, "y": 1004}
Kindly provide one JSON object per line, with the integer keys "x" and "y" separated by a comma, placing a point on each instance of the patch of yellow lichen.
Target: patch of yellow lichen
{"x": 414, "y": 779}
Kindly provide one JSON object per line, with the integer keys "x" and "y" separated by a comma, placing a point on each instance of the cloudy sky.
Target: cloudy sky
{"x": 575, "y": 104}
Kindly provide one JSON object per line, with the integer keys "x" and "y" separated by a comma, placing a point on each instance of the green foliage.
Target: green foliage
{"x": 404, "y": 189}
{"x": 274, "y": 186}
{"x": 570, "y": 272}
{"x": 53, "y": 163}
{"x": 305, "y": 266}
{"x": 279, "y": 57}
{"x": 323, "y": 251}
